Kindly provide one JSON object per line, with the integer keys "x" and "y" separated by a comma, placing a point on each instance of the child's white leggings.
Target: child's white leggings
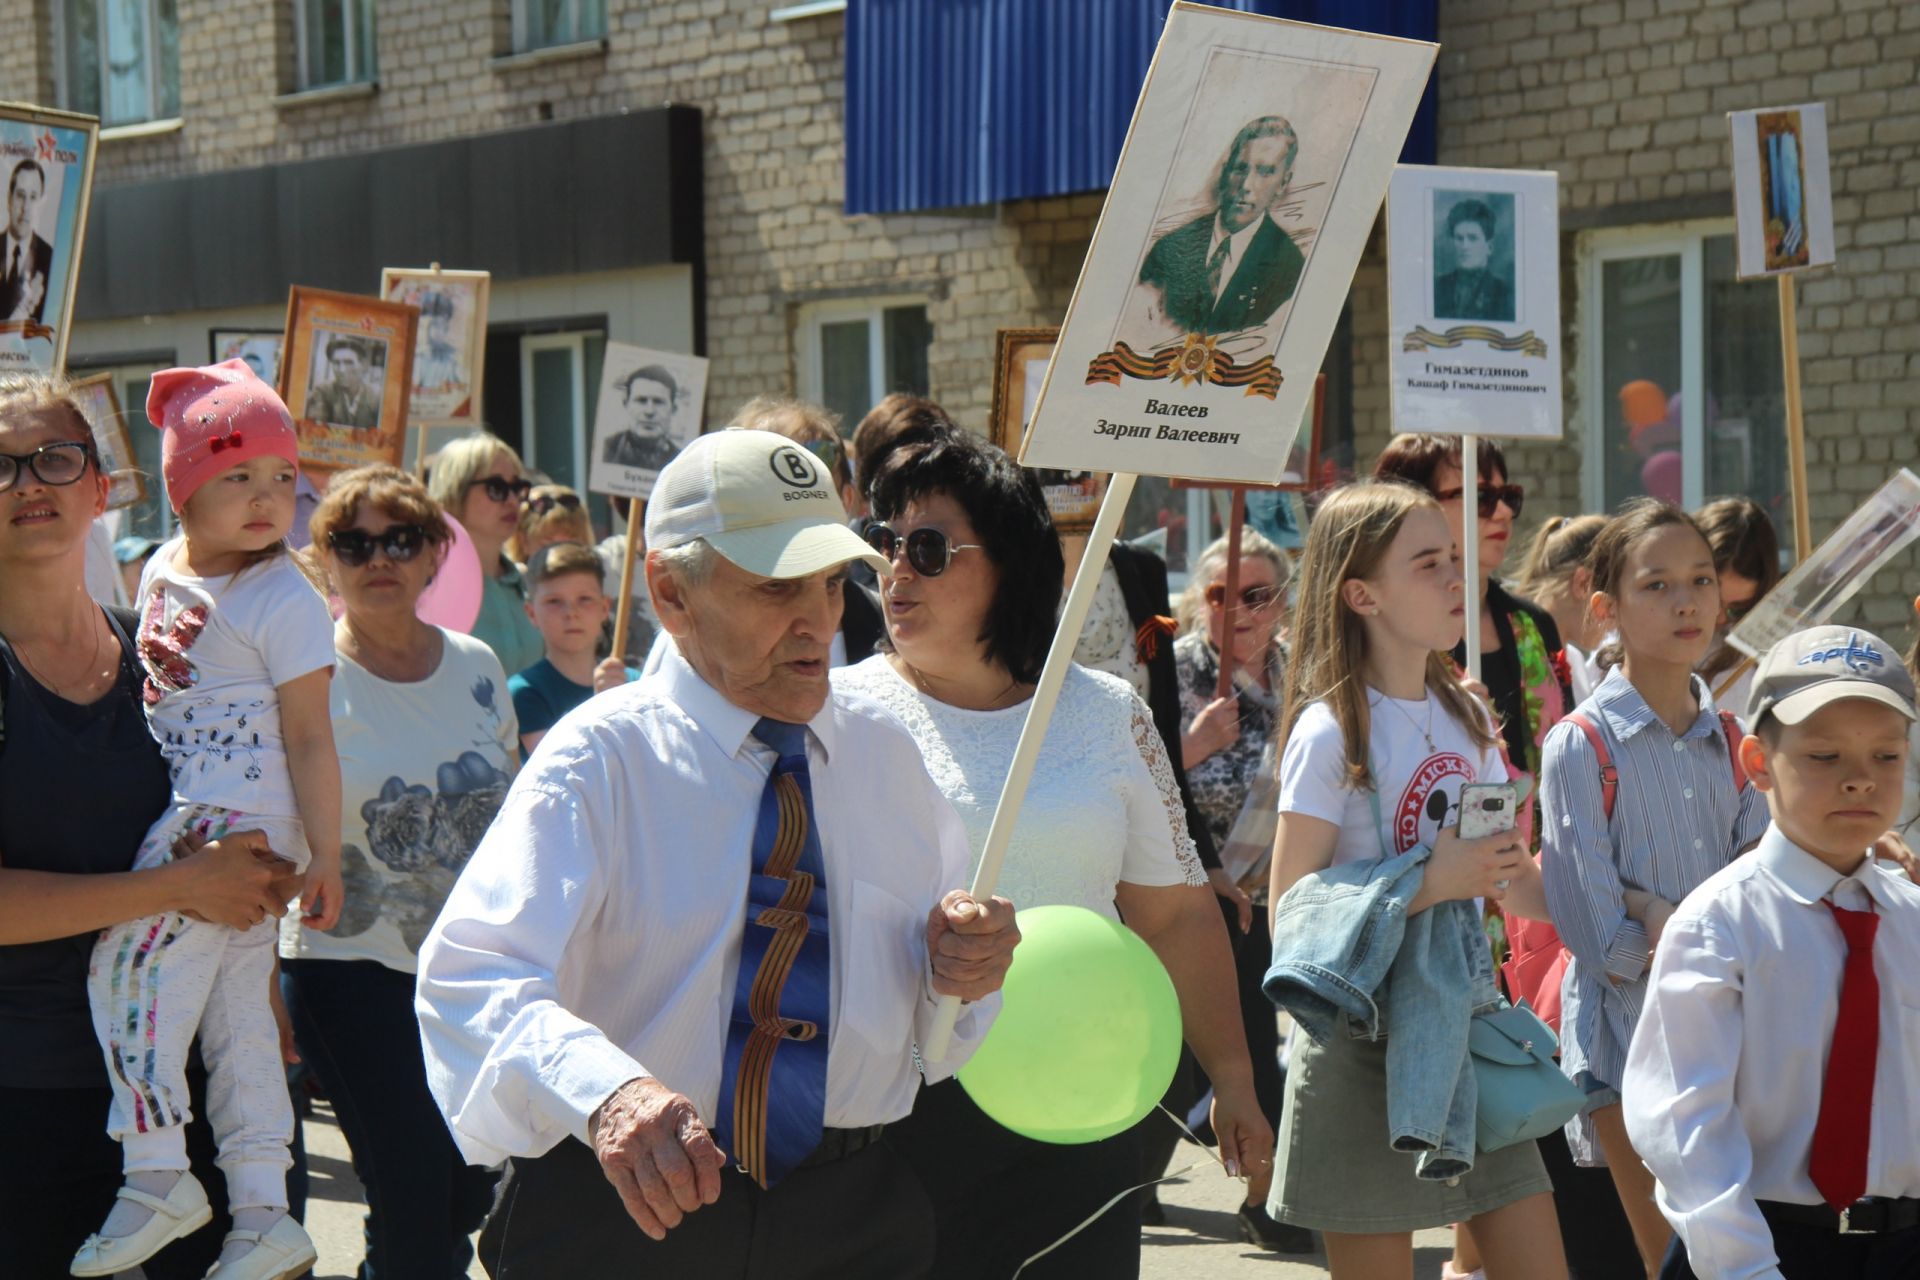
{"x": 155, "y": 983}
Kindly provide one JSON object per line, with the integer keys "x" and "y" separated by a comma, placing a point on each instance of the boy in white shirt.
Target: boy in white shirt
{"x": 1773, "y": 1085}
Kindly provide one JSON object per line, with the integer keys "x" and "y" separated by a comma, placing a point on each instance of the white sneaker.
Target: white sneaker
{"x": 183, "y": 1212}
{"x": 278, "y": 1254}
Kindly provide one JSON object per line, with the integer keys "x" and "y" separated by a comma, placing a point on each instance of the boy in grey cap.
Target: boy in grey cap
{"x": 1773, "y": 1084}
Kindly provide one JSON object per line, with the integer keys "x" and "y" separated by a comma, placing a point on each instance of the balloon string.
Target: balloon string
{"x": 1096, "y": 1215}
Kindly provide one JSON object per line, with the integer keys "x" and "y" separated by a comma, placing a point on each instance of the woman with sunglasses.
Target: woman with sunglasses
{"x": 427, "y": 743}
{"x": 478, "y": 480}
{"x": 552, "y": 513}
{"x": 970, "y": 607}
{"x": 81, "y": 780}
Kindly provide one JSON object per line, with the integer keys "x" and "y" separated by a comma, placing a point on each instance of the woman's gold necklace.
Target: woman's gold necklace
{"x": 78, "y": 683}
{"x": 998, "y": 702}
{"x": 1427, "y": 732}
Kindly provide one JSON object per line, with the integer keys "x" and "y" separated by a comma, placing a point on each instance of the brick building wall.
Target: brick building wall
{"x": 1626, "y": 98}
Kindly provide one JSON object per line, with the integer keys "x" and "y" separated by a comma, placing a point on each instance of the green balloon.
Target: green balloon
{"x": 1088, "y": 1034}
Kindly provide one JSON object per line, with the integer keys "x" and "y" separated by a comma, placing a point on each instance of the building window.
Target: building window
{"x": 559, "y": 387}
{"x": 1682, "y": 388}
{"x": 543, "y": 24}
{"x": 856, "y": 353}
{"x": 120, "y": 59}
{"x": 336, "y": 42}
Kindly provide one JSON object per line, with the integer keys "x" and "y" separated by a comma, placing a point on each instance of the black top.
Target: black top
{"x": 79, "y": 786}
{"x": 1500, "y": 671}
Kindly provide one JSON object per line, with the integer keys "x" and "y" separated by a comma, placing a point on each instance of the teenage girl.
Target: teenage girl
{"x": 1680, "y": 813}
{"x": 238, "y": 651}
{"x": 1373, "y": 706}
{"x": 1746, "y": 555}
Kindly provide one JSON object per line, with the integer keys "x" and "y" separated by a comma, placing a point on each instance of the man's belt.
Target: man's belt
{"x": 838, "y": 1144}
{"x": 1873, "y": 1215}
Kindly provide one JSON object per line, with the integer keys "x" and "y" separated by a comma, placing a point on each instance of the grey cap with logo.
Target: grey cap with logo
{"x": 1821, "y": 665}
{"x": 758, "y": 499}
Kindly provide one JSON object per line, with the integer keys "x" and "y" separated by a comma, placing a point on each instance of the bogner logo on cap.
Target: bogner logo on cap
{"x": 1861, "y": 659}
{"x": 792, "y": 467}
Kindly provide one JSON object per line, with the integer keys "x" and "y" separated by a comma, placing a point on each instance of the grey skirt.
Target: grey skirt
{"x": 1336, "y": 1171}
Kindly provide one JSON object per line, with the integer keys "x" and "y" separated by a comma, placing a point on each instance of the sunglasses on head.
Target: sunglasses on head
{"x": 399, "y": 543}
{"x": 928, "y": 550}
{"x": 60, "y": 463}
{"x": 548, "y": 501}
{"x": 1491, "y": 496}
{"x": 1262, "y": 596}
{"x": 500, "y": 490}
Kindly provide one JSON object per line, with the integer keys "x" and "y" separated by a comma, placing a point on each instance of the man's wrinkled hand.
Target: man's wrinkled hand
{"x": 970, "y": 944}
{"x": 657, "y": 1153}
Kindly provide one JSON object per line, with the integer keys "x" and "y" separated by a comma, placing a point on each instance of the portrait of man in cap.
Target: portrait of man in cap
{"x": 346, "y": 386}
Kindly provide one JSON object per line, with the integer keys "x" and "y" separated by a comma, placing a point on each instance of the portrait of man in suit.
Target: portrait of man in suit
{"x": 26, "y": 259}
{"x": 1234, "y": 266}
{"x": 350, "y": 394}
{"x": 1476, "y": 288}
{"x": 647, "y": 443}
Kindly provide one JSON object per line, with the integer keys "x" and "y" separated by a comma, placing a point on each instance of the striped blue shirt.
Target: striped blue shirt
{"x": 1676, "y": 821}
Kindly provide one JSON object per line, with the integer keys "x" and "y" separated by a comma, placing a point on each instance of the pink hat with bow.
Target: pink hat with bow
{"x": 214, "y": 418}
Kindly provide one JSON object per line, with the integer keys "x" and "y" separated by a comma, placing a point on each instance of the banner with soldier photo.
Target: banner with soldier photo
{"x": 346, "y": 372}
{"x": 650, "y": 405}
{"x": 47, "y": 160}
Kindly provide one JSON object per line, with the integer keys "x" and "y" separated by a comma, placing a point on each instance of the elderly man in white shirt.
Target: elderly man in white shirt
{"x": 680, "y": 985}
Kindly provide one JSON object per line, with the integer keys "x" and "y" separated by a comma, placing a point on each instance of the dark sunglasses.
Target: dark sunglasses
{"x": 500, "y": 490}
{"x": 399, "y": 543}
{"x": 1491, "y": 496}
{"x": 57, "y": 464}
{"x": 928, "y": 550}
{"x": 828, "y": 451}
{"x": 1263, "y": 596}
{"x": 548, "y": 501}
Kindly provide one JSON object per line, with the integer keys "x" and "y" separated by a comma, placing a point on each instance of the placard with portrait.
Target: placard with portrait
{"x": 650, "y": 406}
{"x": 346, "y": 376}
{"x": 46, "y": 158}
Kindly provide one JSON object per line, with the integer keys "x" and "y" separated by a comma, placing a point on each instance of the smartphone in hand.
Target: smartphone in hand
{"x": 1486, "y": 809}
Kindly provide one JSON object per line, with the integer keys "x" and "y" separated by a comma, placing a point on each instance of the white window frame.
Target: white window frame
{"x": 63, "y": 91}
{"x": 1687, "y": 241}
{"x": 815, "y": 315}
{"x": 575, "y": 341}
{"x": 362, "y": 66}
{"x": 520, "y": 38}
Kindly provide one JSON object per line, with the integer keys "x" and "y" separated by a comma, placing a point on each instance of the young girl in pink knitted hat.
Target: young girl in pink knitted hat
{"x": 238, "y": 650}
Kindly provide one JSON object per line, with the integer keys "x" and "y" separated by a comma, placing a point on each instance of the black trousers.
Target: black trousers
{"x": 860, "y": 1218}
{"x": 1593, "y": 1226}
{"x": 1814, "y": 1253}
{"x": 58, "y": 1174}
{"x": 1028, "y": 1194}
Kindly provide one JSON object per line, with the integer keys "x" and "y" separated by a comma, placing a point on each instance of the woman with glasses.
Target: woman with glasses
{"x": 427, "y": 743}
{"x": 81, "y": 780}
{"x": 478, "y": 480}
{"x": 970, "y": 606}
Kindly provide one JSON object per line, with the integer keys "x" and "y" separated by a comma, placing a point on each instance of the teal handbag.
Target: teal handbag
{"x": 1523, "y": 1093}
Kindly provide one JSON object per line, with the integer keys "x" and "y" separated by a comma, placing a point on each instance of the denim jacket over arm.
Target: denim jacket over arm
{"x": 1345, "y": 945}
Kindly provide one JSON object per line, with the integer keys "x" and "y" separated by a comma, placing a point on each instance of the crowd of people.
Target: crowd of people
{"x": 629, "y": 958}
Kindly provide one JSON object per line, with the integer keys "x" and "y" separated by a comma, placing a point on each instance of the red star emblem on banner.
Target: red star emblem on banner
{"x": 46, "y": 144}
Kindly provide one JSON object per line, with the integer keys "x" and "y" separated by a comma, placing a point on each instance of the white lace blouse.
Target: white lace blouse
{"x": 1102, "y": 808}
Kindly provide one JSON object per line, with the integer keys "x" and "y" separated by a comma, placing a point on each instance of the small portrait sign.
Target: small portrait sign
{"x": 260, "y": 348}
{"x": 100, "y": 405}
{"x": 651, "y": 404}
{"x": 1473, "y": 282}
{"x": 1257, "y": 159}
{"x": 1782, "y": 190}
{"x": 450, "y": 349}
{"x": 346, "y": 374}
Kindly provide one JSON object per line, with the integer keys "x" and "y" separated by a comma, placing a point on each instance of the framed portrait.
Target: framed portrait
{"x": 650, "y": 405}
{"x": 1258, "y": 157}
{"x": 346, "y": 374}
{"x": 101, "y": 406}
{"x": 1782, "y": 189}
{"x": 1020, "y": 364}
{"x": 260, "y": 348}
{"x": 450, "y": 351}
{"x": 47, "y": 157}
{"x": 1473, "y": 301}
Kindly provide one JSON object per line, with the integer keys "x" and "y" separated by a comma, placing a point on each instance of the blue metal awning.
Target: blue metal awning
{"x": 966, "y": 102}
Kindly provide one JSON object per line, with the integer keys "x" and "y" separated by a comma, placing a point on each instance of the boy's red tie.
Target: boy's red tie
{"x": 1839, "y": 1163}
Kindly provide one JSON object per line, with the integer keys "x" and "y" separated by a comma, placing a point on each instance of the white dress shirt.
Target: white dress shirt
{"x": 1723, "y": 1079}
{"x": 1238, "y": 242}
{"x": 595, "y": 935}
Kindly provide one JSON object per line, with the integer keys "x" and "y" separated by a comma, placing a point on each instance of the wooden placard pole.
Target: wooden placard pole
{"x": 1073, "y": 617}
{"x": 624, "y": 605}
{"x": 1796, "y": 429}
{"x": 1470, "y": 545}
{"x": 1236, "y": 516}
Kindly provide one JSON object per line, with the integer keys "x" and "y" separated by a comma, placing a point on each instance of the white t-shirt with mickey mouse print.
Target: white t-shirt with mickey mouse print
{"x": 214, "y": 651}
{"x": 1419, "y": 789}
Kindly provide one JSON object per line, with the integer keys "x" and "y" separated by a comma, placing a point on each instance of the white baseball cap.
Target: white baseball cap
{"x": 758, "y": 499}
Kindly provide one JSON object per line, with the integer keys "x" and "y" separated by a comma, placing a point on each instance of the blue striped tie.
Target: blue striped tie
{"x": 773, "y": 1093}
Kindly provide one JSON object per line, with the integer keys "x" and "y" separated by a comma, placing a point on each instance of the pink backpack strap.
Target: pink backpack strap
{"x": 1609, "y": 776}
{"x": 1730, "y": 726}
